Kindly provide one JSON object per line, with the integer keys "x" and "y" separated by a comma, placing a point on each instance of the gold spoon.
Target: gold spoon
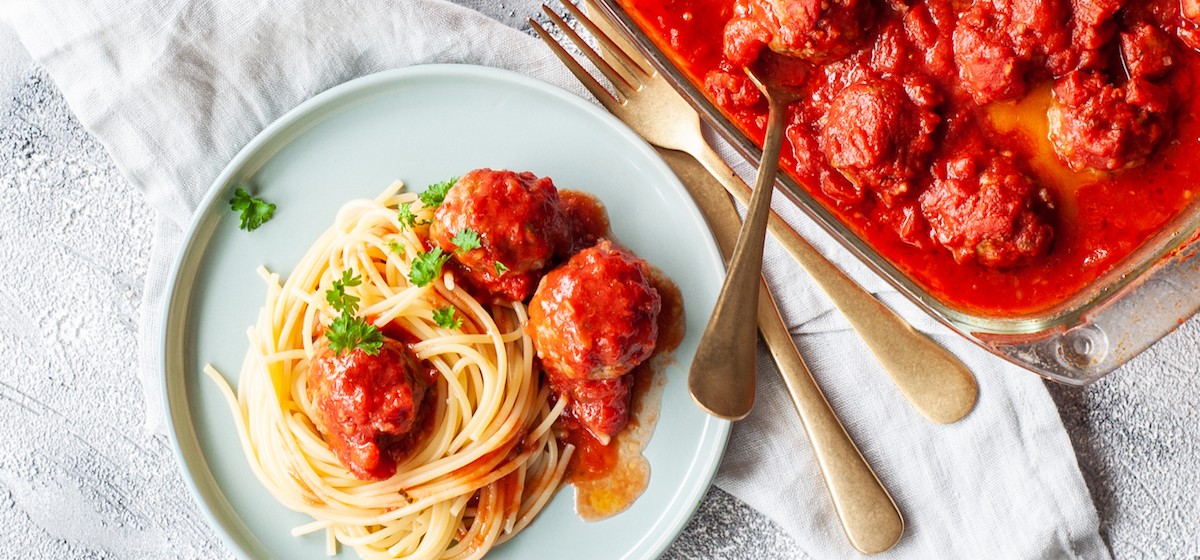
{"x": 868, "y": 515}
{"x": 721, "y": 379}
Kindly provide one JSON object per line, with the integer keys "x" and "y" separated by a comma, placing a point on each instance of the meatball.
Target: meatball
{"x": 817, "y": 30}
{"x": 1095, "y": 124}
{"x": 520, "y": 225}
{"x": 592, "y": 321}
{"x": 365, "y": 403}
{"x": 732, "y": 90}
{"x": 1094, "y": 26}
{"x": 878, "y": 138}
{"x": 1147, "y": 51}
{"x": 595, "y": 317}
{"x": 990, "y": 68}
{"x": 601, "y": 406}
{"x": 995, "y": 216}
{"x": 997, "y": 43}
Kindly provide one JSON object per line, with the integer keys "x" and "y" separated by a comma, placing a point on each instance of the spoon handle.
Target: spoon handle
{"x": 867, "y": 513}
{"x": 721, "y": 379}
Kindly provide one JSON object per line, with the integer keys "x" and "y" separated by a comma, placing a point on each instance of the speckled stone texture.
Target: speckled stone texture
{"x": 1137, "y": 437}
{"x": 78, "y": 477}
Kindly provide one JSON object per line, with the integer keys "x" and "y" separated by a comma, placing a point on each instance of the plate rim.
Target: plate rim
{"x": 178, "y": 294}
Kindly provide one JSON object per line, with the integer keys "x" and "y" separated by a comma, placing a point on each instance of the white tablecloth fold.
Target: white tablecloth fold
{"x": 174, "y": 89}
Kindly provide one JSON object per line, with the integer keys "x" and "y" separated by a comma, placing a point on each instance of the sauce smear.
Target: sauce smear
{"x": 609, "y": 478}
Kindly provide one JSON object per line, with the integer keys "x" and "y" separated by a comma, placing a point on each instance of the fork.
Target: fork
{"x": 936, "y": 383}
{"x": 867, "y": 512}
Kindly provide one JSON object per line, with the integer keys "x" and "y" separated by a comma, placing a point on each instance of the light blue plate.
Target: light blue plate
{"x": 422, "y": 125}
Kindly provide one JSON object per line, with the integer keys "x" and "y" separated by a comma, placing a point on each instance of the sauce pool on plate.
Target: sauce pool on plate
{"x": 609, "y": 478}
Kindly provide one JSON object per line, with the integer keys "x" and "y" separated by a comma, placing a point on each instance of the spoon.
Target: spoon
{"x": 722, "y": 376}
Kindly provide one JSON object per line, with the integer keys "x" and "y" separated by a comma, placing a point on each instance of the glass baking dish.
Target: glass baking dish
{"x": 1108, "y": 322}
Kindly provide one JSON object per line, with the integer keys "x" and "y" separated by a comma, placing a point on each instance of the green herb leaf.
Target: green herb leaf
{"x": 500, "y": 268}
{"x": 465, "y": 240}
{"x": 254, "y": 211}
{"x": 398, "y": 248}
{"x": 337, "y": 297}
{"x": 444, "y": 317}
{"x": 406, "y": 216}
{"x": 436, "y": 193}
{"x": 349, "y": 278}
{"x": 350, "y": 333}
{"x": 427, "y": 266}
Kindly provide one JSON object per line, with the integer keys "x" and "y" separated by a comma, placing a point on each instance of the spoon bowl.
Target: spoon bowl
{"x": 722, "y": 376}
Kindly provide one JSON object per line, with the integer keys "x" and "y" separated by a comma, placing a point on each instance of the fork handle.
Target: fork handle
{"x": 937, "y": 384}
{"x": 867, "y": 512}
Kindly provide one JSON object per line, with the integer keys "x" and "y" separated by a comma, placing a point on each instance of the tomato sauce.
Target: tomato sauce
{"x": 1098, "y": 219}
{"x": 374, "y": 410}
{"x": 608, "y": 478}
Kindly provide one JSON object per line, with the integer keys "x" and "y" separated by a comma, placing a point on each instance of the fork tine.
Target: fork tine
{"x": 622, "y": 85}
{"x": 602, "y": 94}
{"x": 634, "y": 60}
{"x": 605, "y": 22}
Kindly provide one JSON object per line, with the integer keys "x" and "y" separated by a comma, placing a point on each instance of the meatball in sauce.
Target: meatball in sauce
{"x": 878, "y": 138}
{"x": 592, "y": 321}
{"x": 521, "y": 229}
{"x": 988, "y": 211}
{"x": 999, "y": 43}
{"x": 817, "y": 30}
{"x": 1097, "y": 125}
{"x": 370, "y": 407}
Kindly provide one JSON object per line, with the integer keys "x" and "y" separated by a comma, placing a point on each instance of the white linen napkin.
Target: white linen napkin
{"x": 174, "y": 89}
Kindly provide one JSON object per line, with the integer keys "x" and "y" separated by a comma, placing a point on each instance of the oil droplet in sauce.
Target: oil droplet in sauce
{"x": 1029, "y": 118}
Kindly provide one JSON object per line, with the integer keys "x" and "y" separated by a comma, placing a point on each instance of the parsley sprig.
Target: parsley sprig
{"x": 465, "y": 240}
{"x": 337, "y": 297}
{"x": 436, "y": 193}
{"x": 254, "y": 211}
{"x": 348, "y": 331}
{"x": 398, "y": 248}
{"x": 445, "y": 318}
{"x": 427, "y": 266}
{"x": 406, "y": 216}
{"x": 433, "y": 197}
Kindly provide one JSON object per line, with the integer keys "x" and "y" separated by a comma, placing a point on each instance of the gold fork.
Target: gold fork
{"x": 867, "y": 512}
{"x": 937, "y": 384}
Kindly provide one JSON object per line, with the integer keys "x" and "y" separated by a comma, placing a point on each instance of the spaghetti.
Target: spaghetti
{"x": 487, "y": 461}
